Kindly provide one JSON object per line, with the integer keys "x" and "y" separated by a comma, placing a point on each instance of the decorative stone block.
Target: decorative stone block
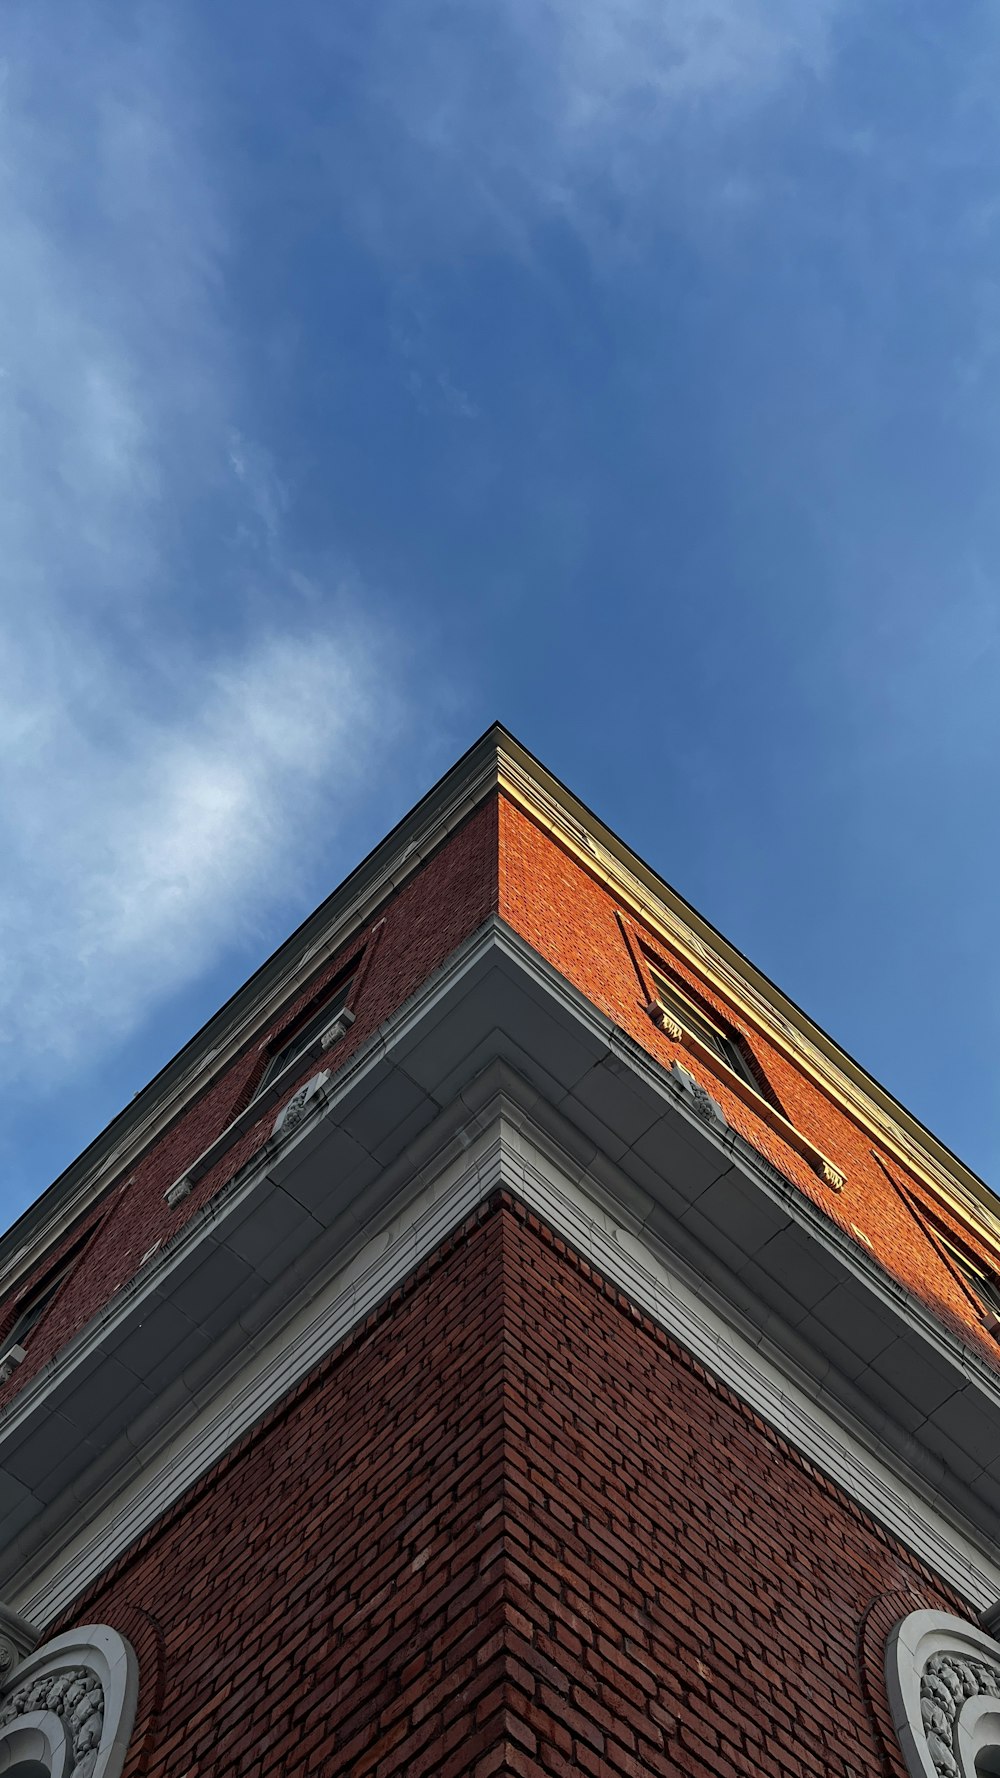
{"x": 13, "y": 1356}
{"x": 299, "y": 1105}
{"x": 17, "y": 1639}
{"x": 70, "y": 1706}
{"x": 697, "y": 1098}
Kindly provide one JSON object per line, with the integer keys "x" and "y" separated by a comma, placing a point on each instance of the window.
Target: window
{"x": 302, "y": 1039}
{"x": 696, "y": 1022}
{"x": 984, "y": 1283}
{"x": 33, "y": 1306}
{"x": 688, "y": 1021}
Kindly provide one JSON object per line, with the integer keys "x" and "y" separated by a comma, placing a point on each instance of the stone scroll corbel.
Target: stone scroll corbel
{"x": 17, "y": 1639}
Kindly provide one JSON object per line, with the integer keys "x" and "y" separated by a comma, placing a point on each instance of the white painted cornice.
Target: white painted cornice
{"x": 498, "y": 1071}
{"x": 496, "y": 761}
{"x": 665, "y": 913}
{"x": 120, "y": 1147}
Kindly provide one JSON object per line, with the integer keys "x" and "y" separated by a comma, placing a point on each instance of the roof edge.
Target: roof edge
{"x": 496, "y": 760}
{"x": 395, "y": 857}
{"x": 942, "y": 1157}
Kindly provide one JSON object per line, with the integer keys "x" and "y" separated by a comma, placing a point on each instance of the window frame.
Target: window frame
{"x": 332, "y": 1009}
{"x": 746, "y": 1082}
{"x": 977, "y": 1275}
{"x": 30, "y": 1309}
{"x": 333, "y": 1026}
{"x": 696, "y": 1022}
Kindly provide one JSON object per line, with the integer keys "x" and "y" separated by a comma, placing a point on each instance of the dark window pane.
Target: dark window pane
{"x": 300, "y": 1041}
{"x": 700, "y": 1025}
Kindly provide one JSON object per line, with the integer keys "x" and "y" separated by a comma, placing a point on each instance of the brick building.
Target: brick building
{"x": 510, "y": 1338}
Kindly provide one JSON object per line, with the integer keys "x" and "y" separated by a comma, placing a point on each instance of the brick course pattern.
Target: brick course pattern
{"x": 499, "y": 860}
{"x": 449, "y": 898}
{"x": 568, "y": 915}
{"x": 511, "y": 1527}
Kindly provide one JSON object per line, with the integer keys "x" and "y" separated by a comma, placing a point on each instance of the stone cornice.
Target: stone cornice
{"x": 496, "y": 761}
{"x": 748, "y": 1273}
{"x": 118, "y": 1149}
{"x": 668, "y": 916}
{"x": 494, "y": 1140}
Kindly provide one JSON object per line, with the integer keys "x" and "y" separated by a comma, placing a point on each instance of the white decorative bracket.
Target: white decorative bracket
{"x": 336, "y": 1028}
{"x": 943, "y": 1680}
{"x": 13, "y": 1356}
{"x": 670, "y": 1026}
{"x": 181, "y": 1189}
{"x": 697, "y": 1098}
{"x": 299, "y": 1105}
{"x": 17, "y": 1639}
{"x": 830, "y": 1175}
{"x": 68, "y": 1710}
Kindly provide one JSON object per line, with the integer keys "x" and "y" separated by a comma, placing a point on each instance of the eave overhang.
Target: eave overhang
{"x": 495, "y": 763}
{"x": 498, "y": 1038}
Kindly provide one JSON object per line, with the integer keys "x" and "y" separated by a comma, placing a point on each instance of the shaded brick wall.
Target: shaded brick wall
{"x": 691, "y": 1592}
{"x": 511, "y": 1526}
{"x": 442, "y": 904}
{"x": 571, "y": 919}
{"x": 500, "y": 860}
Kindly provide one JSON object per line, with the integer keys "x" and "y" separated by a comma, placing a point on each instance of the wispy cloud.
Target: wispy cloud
{"x": 609, "y": 54}
{"x": 175, "y": 717}
{"x": 573, "y": 104}
{"x": 134, "y": 844}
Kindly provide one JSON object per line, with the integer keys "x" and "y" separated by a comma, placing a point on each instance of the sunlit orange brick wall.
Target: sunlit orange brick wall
{"x": 566, "y": 913}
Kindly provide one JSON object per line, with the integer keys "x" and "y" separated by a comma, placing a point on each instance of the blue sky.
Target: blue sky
{"x": 624, "y": 369}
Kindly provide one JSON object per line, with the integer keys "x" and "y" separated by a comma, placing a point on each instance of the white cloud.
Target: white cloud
{"x": 163, "y": 757}
{"x": 136, "y": 847}
{"x": 614, "y": 54}
{"x": 572, "y": 104}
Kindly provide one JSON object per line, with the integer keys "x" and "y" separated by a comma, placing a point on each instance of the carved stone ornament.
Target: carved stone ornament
{"x": 697, "y": 1098}
{"x": 181, "y": 1189}
{"x": 830, "y": 1175}
{"x": 13, "y": 1356}
{"x": 943, "y": 1680}
{"x": 299, "y": 1106}
{"x": 670, "y": 1026}
{"x": 17, "y": 1639}
{"x": 68, "y": 1709}
{"x": 336, "y": 1028}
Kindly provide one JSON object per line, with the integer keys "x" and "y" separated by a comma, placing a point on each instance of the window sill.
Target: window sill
{"x": 820, "y": 1163}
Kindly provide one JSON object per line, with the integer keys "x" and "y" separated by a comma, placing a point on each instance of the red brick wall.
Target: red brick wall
{"x": 446, "y": 900}
{"x": 567, "y": 915}
{"x": 511, "y": 1526}
{"x": 504, "y": 861}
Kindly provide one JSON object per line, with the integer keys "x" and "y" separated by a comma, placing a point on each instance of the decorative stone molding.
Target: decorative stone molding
{"x": 69, "y": 1708}
{"x": 299, "y": 1105}
{"x": 336, "y": 1028}
{"x": 830, "y": 1175}
{"x": 13, "y": 1356}
{"x": 287, "y": 1120}
{"x": 943, "y": 1680}
{"x": 181, "y": 1189}
{"x": 17, "y": 1639}
{"x": 697, "y": 1098}
{"x": 670, "y": 1026}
